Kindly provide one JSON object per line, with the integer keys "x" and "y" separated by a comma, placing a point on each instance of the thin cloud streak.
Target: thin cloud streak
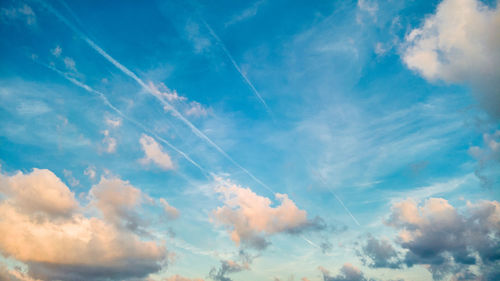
{"x": 132, "y": 75}
{"x": 119, "y": 112}
{"x": 243, "y": 75}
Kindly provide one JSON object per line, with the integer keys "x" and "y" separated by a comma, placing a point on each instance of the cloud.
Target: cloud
{"x": 90, "y": 172}
{"x": 246, "y": 13}
{"x": 113, "y": 122}
{"x": 69, "y": 63}
{"x": 249, "y": 217}
{"x": 348, "y": 272}
{"x": 459, "y": 44}
{"x": 180, "y": 278}
{"x": 488, "y": 158}
{"x": 56, "y": 51}
{"x": 164, "y": 91}
{"x": 200, "y": 42}
{"x": 197, "y": 110}
{"x": 231, "y": 266}
{"x": 70, "y": 178}
{"x": 109, "y": 142}
{"x": 381, "y": 253}
{"x": 38, "y": 192}
{"x": 172, "y": 212}
{"x": 154, "y": 153}
{"x": 43, "y": 226}
{"x": 24, "y": 13}
{"x": 437, "y": 235}
{"x": 118, "y": 202}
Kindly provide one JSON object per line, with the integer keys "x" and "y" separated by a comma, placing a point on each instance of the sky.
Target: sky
{"x": 250, "y": 140}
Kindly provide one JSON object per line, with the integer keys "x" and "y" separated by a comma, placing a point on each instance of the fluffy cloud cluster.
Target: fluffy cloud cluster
{"x": 250, "y": 217}
{"x": 437, "y": 235}
{"x": 44, "y": 227}
{"x": 460, "y": 43}
{"x": 154, "y": 153}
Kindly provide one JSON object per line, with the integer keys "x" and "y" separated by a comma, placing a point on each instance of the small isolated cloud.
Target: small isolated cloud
{"x": 459, "y": 44}
{"x": 367, "y": 6}
{"x": 348, "y": 272}
{"x": 154, "y": 153}
{"x": 196, "y": 109}
{"x": 70, "y": 178}
{"x": 446, "y": 240}
{"x": 250, "y": 218}
{"x": 246, "y": 13}
{"x": 198, "y": 39}
{"x": 109, "y": 142}
{"x": 56, "y": 51}
{"x": 113, "y": 122}
{"x": 171, "y": 212}
{"x": 69, "y": 63}
{"x": 44, "y": 227}
{"x": 23, "y": 13}
{"x": 163, "y": 91}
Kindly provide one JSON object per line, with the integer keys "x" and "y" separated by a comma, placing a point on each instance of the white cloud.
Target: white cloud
{"x": 90, "y": 172}
{"x": 43, "y": 226}
{"x": 113, "y": 122}
{"x": 250, "y": 217}
{"x": 246, "y": 13}
{"x": 109, "y": 142}
{"x": 154, "y": 153}
{"x": 164, "y": 91}
{"x": 69, "y": 63}
{"x": 56, "y": 51}
{"x": 196, "y": 109}
{"x": 459, "y": 44}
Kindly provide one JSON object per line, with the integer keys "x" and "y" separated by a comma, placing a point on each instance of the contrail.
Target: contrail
{"x": 121, "y": 114}
{"x": 139, "y": 81}
{"x": 338, "y": 199}
{"x": 230, "y": 57}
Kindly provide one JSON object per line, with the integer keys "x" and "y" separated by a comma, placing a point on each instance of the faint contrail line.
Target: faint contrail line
{"x": 132, "y": 75}
{"x": 338, "y": 199}
{"x": 230, "y": 57}
{"x": 123, "y": 115}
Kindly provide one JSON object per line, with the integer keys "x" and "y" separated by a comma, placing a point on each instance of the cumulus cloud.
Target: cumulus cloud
{"x": 249, "y": 217}
{"x": 118, "y": 202}
{"x": 438, "y": 236}
{"x": 163, "y": 91}
{"x": 113, "y": 122}
{"x": 380, "y": 253}
{"x": 460, "y": 43}
{"x": 69, "y": 63}
{"x": 154, "y": 153}
{"x": 348, "y": 272}
{"x": 44, "y": 227}
{"x": 70, "y": 178}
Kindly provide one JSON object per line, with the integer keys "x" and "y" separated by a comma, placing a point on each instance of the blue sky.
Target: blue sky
{"x": 249, "y": 140}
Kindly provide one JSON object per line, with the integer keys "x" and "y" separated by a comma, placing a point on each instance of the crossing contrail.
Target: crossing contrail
{"x": 148, "y": 89}
{"x": 105, "y": 100}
